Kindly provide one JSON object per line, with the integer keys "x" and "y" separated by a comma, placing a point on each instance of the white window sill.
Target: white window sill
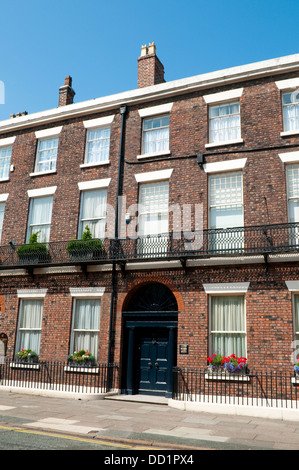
{"x": 80, "y": 369}
{"x": 18, "y": 365}
{"x": 41, "y": 173}
{"x": 88, "y": 165}
{"x": 2, "y": 180}
{"x": 287, "y": 133}
{"x": 227, "y": 142}
{"x": 154, "y": 154}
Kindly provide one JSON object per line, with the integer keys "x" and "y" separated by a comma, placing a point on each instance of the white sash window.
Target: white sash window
{"x": 227, "y": 325}
{"x": 86, "y": 325}
{"x": 97, "y": 145}
{"x": 224, "y": 122}
{"x": 2, "y": 210}
{"x": 226, "y": 209}
{"x": 46, "y": 156}
{"x": 296, "y": 316}
{"x": 153, "y": 216}
{"x": 30, "y": 324}
{"x": 40, "y": 217}
{"x": 155, "y": 135}
{"x": 93, "y": 212}
{"x": 5, "y": 157}
{"x": 290, "y": 108}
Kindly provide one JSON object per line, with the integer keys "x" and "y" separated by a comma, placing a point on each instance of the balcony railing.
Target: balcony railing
{"x": 240, "y": 241}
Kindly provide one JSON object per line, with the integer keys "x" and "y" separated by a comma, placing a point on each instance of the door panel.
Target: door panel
{"x": 153, "y": 360}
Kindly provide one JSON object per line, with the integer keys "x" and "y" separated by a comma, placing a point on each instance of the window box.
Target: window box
{"x": 224, "y": 374}
{"x": 85, "y": 364}
{"x": 81, "y": 359}
{"x": 34, "y": 252}
{"x": 85, "y": 249}
{"x": 83, "y": 369}
{"x": 26, "y": 357}
{"x": 24, "y": 365}
{"x": 27, "y": 360}
{"x": 227, "y": 368}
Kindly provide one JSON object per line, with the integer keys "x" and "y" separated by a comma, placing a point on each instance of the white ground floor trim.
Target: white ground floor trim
{"x": 285, "y": 414}
{"x": 59, "y": 391}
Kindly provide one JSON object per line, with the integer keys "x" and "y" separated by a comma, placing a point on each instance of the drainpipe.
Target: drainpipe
{"x": 122, "y": 111}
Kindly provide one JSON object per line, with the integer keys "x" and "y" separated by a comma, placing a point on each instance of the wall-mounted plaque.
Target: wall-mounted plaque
{"x": 184, "y": 348}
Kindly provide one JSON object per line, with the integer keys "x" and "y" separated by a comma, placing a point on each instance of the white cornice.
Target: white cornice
{"x": 162, "y": 91}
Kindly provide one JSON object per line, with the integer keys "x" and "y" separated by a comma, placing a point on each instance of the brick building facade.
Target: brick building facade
{"x": 216, "y": 155}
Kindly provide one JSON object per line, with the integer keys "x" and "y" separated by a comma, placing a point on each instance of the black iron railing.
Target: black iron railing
{"x": 276, "y": 389}
{"x": 59, "y": 376}
{"x": 240, "y": 241}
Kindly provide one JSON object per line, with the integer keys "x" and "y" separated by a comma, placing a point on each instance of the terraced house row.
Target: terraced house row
{"x": 156, "y": 226}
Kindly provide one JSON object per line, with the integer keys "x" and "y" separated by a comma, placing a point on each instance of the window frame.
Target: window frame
{"x": 2, "y": 205}
{"x": 228, "y": 332}
{"x": 145, "y": 131}
{"x": 226, "y": 173}
{"x": 81, "y": 221}
{"x": 220, "y": 118}
{"x": 3, "y": 148}
{"x": 290, "y": 198}
{"x": 30, "y": 225}
{"x": 39, "y": 153}
{"x": 142, "y": 213}
{"x": 284, "y": 106}
{"x": 88, "y": 141}
{"x": 29, "y": 295}
{"x": 295, "y": 333}
{"x": 86, "y": 294}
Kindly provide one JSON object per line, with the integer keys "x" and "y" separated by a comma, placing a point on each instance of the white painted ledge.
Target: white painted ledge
{"x": 237, "y": 410}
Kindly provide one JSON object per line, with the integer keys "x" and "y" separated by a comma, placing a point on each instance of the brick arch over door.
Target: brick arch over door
{"x": 125, "y": 299}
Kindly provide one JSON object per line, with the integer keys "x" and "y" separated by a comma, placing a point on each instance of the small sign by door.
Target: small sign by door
{"x": 184, "y": 348}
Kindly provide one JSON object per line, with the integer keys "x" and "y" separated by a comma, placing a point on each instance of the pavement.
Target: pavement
{"x": 146, "y": 420}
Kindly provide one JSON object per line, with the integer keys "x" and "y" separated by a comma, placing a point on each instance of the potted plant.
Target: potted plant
{"x": 34, "y": 252}
{"x": 227, "y": 364}
{"x": 296, "y": 368}
{"x": 85, "y": 248}
{"x": 81, "y": 358}
{"x": 27, "y": 355}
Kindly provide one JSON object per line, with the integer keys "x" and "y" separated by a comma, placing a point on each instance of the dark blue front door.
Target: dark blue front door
{"x": 153, "y": 360}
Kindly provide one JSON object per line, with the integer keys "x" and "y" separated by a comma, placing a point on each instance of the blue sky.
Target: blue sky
{"x": 98, "y": 43}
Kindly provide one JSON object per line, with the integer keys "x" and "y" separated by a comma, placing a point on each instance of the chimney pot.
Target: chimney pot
{"x": 151, "y": 48}
{"x": 144, "y": 51}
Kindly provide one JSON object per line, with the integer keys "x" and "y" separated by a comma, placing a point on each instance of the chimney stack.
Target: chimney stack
{"x": 66, "y": 93}
{"x": 150, "y": 69}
